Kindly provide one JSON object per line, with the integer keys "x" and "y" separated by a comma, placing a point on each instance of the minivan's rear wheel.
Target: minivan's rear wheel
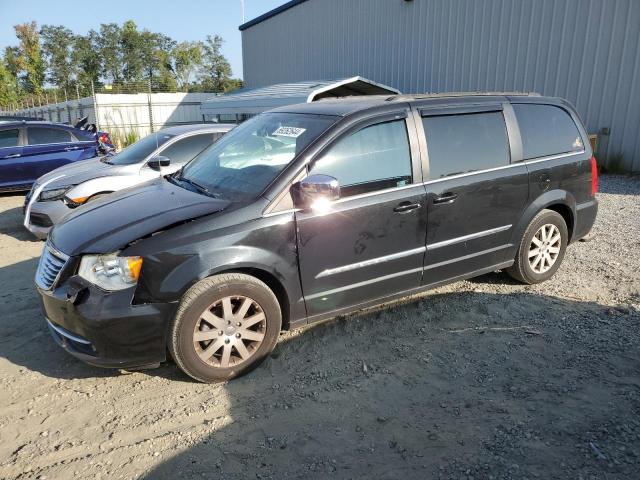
{"x": 542, "y": 248}
{"x": 225, "y": 326}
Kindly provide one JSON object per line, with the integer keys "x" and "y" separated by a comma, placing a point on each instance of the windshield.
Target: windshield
{"x": 243, "y": 162}
{"x": 140, "y": 150}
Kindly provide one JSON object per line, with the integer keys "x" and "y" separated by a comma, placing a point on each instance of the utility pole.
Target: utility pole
{"x": 242, "y": 9}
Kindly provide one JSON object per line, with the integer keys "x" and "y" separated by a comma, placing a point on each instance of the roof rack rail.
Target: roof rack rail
{"x": 418, "y": 96}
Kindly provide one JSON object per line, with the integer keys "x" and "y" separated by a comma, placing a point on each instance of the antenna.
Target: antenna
{"x": 242, "y": 9}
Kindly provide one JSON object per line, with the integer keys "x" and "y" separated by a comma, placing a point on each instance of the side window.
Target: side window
{"x": 9, "y": 138}
{"x": 374, "y": 158}
{"x": 44, "y": 135}
{"x": 546, "y": 130}
{"x": 465, "y": 143}
{"x": 184, "y": 150}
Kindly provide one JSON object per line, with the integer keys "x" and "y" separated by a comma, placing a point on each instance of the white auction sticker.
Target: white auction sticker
{"x": 294, "y": 132}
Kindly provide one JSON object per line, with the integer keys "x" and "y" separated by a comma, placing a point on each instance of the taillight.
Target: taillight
{"x": 594, "y": 177}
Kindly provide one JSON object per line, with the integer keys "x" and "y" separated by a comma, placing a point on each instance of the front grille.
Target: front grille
{"x": 40, "y": 220}
{"x": 50, "y": 266}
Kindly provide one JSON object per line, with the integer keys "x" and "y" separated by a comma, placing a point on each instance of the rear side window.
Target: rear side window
{"x": 184, "y": 150}
{"x": 43, "y": 135}
{"x": 9, "y": 138}
{"x": 465, "y": 143}
{"x": 546, "y": 130}
{"x": 374, "y": 158}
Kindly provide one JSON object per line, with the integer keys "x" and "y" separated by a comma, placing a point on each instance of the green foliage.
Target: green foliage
{"x": 30, "y": 58}
{"x": 187, "y": 57}
{"x": 118, "y": 59}
{"x": 216, "y": 70}
{"x": 57, "y": 45}
{"x": 124, "y": 139}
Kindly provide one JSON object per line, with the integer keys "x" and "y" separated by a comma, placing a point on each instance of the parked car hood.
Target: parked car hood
{"x": 78, "y": 172}
{"x": 109, "y": 224}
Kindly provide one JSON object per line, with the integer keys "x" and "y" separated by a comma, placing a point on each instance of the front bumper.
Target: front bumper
{"x": 104, "y": 328}
{"x": 41, "y": 216}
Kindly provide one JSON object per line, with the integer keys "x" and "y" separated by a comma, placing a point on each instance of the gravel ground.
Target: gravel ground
{"x": 480, "y": 379}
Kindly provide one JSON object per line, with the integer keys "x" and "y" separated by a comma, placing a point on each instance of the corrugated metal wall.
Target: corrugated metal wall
{"x": 587, "y": 51}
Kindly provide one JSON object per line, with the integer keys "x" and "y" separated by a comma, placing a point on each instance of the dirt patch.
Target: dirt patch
{"x": 480, "y": 379}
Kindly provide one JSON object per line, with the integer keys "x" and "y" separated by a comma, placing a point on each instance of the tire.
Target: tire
{"x": 551, "y": 253}
{"x": 210, "y": 322}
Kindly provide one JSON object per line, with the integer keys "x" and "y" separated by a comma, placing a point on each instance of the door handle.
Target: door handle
{"x": 13, "y": 155}
{"x": 406, "y": 207}
{"x": 447, "y": 197}
{"x": 68, "y": 149}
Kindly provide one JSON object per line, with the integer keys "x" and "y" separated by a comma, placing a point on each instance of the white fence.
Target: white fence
{"x": 120, "y": 114}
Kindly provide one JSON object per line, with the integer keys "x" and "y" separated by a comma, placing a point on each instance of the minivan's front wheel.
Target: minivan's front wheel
{"x": 542, "y": 248}
{"x": 225, "y": 326}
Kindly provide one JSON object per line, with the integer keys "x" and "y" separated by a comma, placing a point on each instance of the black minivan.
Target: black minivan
{"x": 315, "y": 210}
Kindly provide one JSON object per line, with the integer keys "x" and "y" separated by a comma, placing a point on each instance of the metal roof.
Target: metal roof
{"x": 270, "y": 13}
{"x": 257, "y": 100}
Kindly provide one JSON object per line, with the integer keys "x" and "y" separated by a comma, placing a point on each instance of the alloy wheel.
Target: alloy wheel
{"x": 229, "y": 332}
{"x": 544, "y": 248}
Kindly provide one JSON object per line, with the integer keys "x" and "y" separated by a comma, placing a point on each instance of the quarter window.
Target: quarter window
{"x": 465, "y": 143}
{"x": 9, "y": 138}
{"x": 546, "y": 130}
{"x": 374, "y": 158}
{"x": 43, "y": 135}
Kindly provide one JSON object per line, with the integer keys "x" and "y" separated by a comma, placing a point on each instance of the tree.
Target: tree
{"x": 57, "y": 46}
{"x": 109, "y": 50}
{"x": 30, "y": 57}
{"x": 187, "y": 58}
{"x": 86, "y": 62}
{"x": 216, "y": 71}
{"x": 8, "y": 87}
{"x": 133, "y": 51}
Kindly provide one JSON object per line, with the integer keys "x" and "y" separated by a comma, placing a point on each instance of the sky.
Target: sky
{"x": 182, "y": 20}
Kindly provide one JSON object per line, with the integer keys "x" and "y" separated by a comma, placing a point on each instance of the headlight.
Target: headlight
{"x": 55, "y": 194}
{"x": 110, "y": 272}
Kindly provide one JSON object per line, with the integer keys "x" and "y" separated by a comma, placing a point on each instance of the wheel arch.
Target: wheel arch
{"x": 559, "y": 201}
{"x": 272, "y": 281}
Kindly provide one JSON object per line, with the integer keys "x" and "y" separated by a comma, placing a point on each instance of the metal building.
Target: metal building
{"x": 587, "y": 51}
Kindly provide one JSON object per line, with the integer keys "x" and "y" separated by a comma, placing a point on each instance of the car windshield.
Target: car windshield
{"x": 243, "y": 162}
{"x": 140, "y": 150}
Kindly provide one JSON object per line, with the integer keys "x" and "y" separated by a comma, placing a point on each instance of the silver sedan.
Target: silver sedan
{"x": 60, "y": 191}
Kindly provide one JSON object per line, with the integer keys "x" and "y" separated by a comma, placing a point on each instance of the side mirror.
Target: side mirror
{"x": 156, "y": 163}
{"x": 315, "y": 191}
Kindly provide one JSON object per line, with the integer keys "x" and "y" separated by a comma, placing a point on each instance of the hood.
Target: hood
{"x": 78, "y": 172}
{"x": 109, "y": 224}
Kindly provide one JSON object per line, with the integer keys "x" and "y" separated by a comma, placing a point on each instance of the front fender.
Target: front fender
{"x": 104, "y": 184}
{"x": 546, "y": 199}
{"x": 180, "y": 257}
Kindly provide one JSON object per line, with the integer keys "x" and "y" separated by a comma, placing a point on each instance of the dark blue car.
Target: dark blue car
{"x": 29, "y": 150}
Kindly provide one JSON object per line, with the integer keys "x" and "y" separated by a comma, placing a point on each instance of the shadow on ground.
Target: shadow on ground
{"x": 461, "y": 385}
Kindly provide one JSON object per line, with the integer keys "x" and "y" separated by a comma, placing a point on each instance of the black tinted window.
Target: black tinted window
{"x": 9, "y": 138}
{"x": 373, "y": 158}
{"x": 466, "y": 143}
{"x": 44, "y": 135}
{"x": 546, "y": 130}
{"x": 184, "y": 150}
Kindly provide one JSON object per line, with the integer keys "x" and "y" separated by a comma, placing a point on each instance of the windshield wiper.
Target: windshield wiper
{"x": 201, "y": 188}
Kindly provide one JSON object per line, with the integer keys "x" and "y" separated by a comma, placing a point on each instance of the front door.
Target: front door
{"x": 370, "y": 243}
{"x": 476, "y": 195}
